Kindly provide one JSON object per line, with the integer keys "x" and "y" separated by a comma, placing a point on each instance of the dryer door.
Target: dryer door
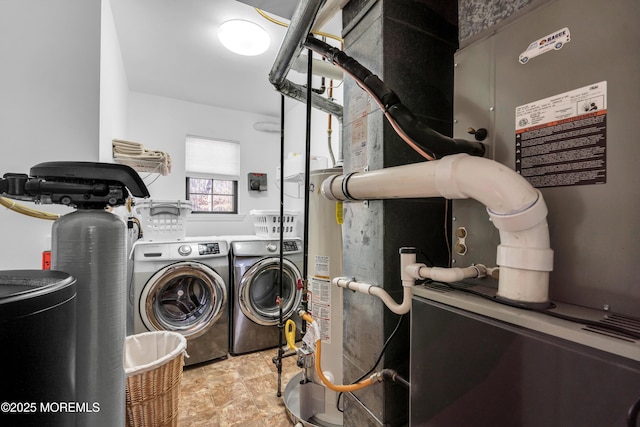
{"x": 259, "y": 289}
{"x": 186, "y": 297}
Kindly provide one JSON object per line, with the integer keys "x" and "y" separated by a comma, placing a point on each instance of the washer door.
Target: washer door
{"x": 259, "y": 289}
{"x": 185, "y": 297}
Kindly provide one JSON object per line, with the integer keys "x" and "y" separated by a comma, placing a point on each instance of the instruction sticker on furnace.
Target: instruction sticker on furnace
{"x": 562, "y": 140}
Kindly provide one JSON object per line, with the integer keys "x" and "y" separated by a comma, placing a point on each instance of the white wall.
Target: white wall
{"x": 295, "y": 140}
{"x": 162, "y": 123}
{"x": 114, "y": 88}
{"x": 65, "y": 96}
{"x": 49, "y": 104}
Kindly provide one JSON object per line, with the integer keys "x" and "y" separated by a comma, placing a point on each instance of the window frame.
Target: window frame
{"x": 212, "y": 175}
{"x": 234, "y": 194}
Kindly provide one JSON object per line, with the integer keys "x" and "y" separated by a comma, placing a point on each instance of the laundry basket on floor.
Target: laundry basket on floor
{"x": 153, "y": 367}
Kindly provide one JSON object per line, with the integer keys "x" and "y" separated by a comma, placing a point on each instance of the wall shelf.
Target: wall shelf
{"x": 141, "y": 165}
{"x": 298, "y": 179}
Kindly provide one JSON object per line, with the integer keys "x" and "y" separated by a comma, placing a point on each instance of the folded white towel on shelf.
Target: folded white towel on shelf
{"x": 127, "y": 147}
{"x": 134, "y": 154}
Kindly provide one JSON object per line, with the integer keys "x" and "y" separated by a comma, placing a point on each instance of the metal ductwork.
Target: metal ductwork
{"x": 293, "y": 43}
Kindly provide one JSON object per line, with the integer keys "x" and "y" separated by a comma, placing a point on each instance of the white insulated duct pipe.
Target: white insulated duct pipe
{"x": 516, "y": 209}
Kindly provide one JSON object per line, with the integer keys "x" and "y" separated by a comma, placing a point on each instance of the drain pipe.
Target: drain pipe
{"x": 516, "y": 209}
{"x": 299, "y": 27}
{"x": 409, "y": 272}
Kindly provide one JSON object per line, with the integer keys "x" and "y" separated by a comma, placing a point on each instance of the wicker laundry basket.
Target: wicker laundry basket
{"x": 153, "y": 367}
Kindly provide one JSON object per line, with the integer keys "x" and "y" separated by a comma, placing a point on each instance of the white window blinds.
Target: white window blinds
{"x": 212, "y": 157}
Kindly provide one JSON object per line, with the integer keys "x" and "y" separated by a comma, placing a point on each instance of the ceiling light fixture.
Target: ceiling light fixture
{"x": 243, "y": 37}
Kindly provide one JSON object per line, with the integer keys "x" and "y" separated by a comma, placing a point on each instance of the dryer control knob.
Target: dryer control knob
{"x": 272, "y": 247}
{"x": 184, "y": 250}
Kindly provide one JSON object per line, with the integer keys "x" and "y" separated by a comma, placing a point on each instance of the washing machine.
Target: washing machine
{"x": 184, "y": 287}
{"x": 254, "y": 307}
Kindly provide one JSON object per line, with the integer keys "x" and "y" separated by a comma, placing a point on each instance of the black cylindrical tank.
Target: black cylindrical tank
{"x": 37, "y": 347}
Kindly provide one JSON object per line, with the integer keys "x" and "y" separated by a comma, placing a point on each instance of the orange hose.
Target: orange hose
{"x": 337, "y": 388}
{"x": 307, "y": 317}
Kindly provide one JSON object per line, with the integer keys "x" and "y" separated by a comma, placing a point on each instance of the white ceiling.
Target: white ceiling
{"x": 170, "y": 48}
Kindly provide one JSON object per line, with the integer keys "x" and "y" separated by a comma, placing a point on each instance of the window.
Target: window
{"x": 212, "y": 169}
{"x": 212, "y": 195}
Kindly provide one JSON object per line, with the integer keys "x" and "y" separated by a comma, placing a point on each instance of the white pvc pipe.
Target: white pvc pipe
{"x": 447, "y": 275}
{"x": 458, "y": 176}
{"x": 327, "y": 12}
{"x": 320, "y": 68}
{"x": 366, "y": 288}
{"x": 516, "y": 208}
{"x": 409, "y": 272}
{"x": 407, "y": 258}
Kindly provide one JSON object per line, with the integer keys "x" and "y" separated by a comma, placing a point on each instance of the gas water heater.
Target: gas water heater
{"x": 309, "y": 401}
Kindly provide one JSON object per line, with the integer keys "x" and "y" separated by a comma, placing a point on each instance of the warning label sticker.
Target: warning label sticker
{"x": 562, "y": 140}
{"x": 321, "y": 306}
{"x": 322, "y": 267}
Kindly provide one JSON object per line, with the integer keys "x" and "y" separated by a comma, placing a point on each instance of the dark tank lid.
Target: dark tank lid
{"x": 24, "y": 292}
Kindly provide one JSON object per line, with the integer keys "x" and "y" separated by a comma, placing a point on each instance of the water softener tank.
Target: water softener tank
{"x": 38, "y": 347}
{"x": 91, "y": 246}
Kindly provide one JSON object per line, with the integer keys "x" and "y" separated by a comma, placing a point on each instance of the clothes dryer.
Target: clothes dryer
{"x": 184, "y": 287}
{"x": 254, "y": 308}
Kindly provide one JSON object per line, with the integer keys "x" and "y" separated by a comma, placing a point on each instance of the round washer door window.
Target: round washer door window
{"x": 259, "y": 289}
{"x": 186, "y": 297}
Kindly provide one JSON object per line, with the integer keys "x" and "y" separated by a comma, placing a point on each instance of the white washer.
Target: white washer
{"x": 184, "y": 287}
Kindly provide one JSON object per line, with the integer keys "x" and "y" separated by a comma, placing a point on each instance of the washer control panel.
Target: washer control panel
{"x": 290, "y": 246}
{"x": 209, "y": 248}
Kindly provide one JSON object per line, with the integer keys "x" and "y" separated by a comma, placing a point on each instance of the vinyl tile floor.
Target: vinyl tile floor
{"x": 237, "y": 391}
